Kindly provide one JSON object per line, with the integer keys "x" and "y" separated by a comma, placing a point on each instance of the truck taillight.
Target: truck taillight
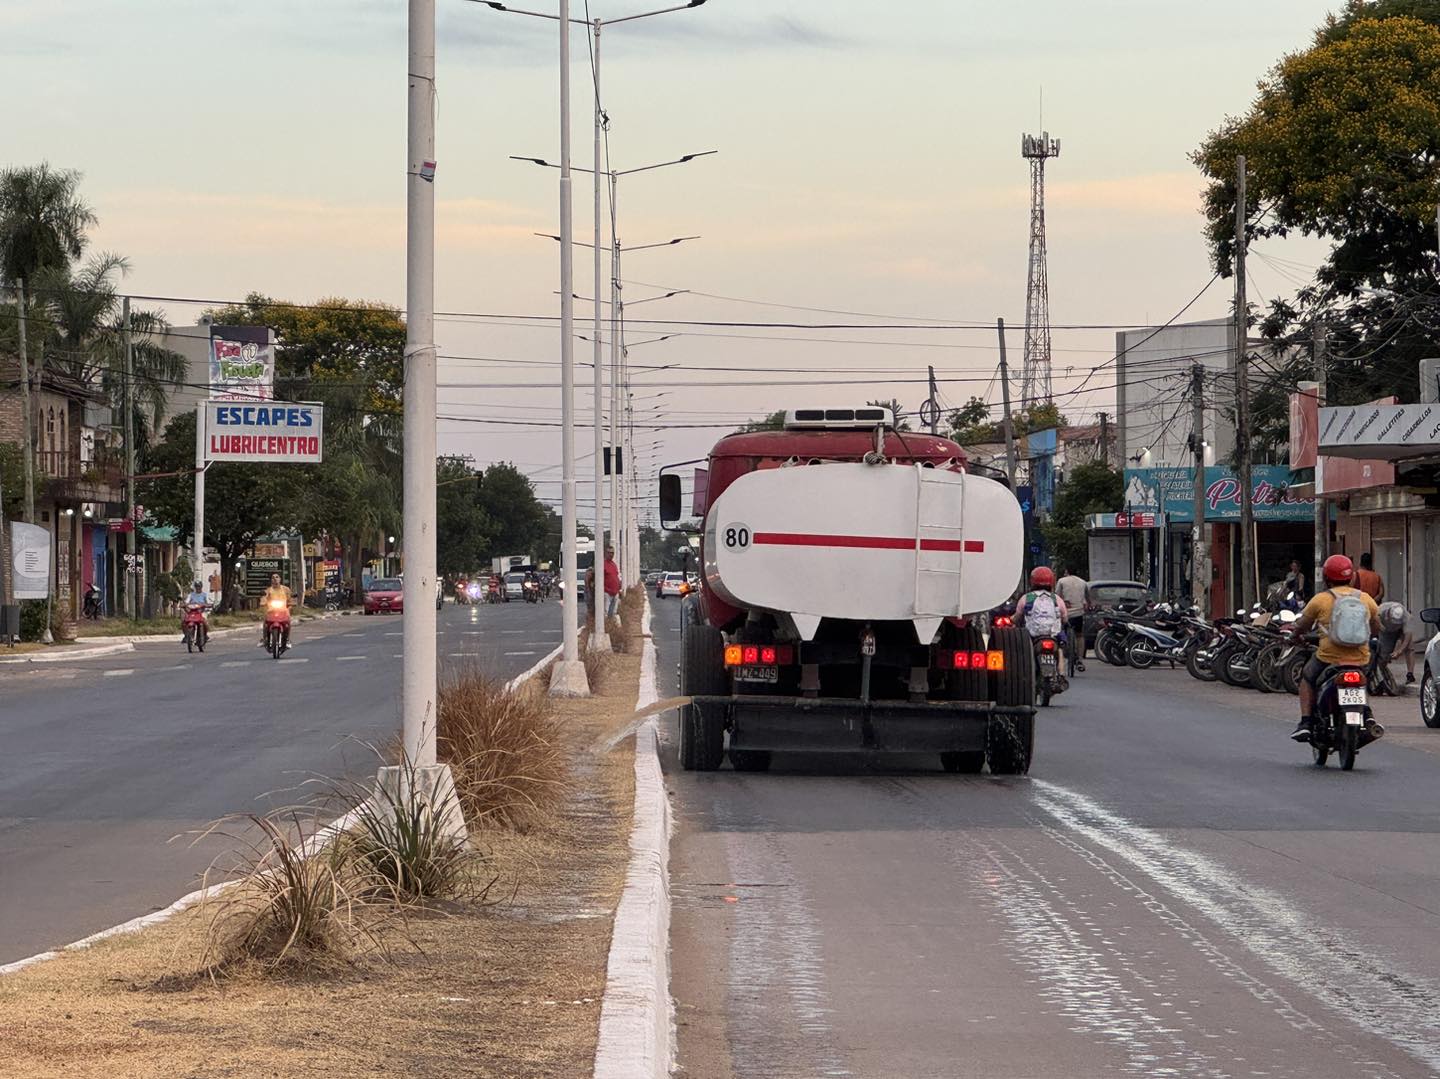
{"x": 995, "y": 660}
{"x": 968, "y": 661}
{"x": 759, "y": 655}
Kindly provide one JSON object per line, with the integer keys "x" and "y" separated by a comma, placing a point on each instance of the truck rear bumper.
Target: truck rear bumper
{"x": 845, "y": 725}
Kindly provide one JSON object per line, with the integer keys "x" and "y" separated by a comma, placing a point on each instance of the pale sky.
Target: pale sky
{"x": 869, "y": 160}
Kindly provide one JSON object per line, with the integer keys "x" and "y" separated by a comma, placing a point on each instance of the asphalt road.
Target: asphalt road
{"x": 103, "y": 761}
{"x": 1173, "y": 891}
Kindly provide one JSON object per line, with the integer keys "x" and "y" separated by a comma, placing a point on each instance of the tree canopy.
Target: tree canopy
{"x": 43, "y": 220}
{"x": 1092, "y": 487}
{"x": 1343, "y": 142}
{"x": 970, "y": 424}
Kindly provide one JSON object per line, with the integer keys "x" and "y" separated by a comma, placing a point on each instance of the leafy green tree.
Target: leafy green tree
{"x": 901, "y": 423}
{"x": 661, "y": 550}
{"x": 1093, "y": 487}
{"x": 242, "y": 501}
{"x": 1343, "y": 142}
{"x": 971, "y": 424}
{"x": 773, "y": 421}
{"x": 519, "y": 521}
{"x": 462, "y": 530}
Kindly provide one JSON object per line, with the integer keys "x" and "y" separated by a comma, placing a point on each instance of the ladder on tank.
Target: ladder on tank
{"x": 939, "y": 542}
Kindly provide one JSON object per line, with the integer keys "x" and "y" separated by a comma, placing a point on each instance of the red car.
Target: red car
{"x": 384, "y": 596}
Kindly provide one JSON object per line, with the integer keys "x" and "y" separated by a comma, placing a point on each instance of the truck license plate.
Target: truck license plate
{"x": 1351, "y": 697}
{"x": 757, "y": 674}
{"x": 1047, "y": 663}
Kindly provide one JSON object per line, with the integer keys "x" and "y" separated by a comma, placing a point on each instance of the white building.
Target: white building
{"x": 1153, "y": 375}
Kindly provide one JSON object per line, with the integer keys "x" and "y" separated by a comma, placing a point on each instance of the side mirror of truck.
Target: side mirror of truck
{"x": 670, "y": 498}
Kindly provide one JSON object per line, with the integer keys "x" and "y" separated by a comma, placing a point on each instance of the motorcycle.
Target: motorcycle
{"x": 277, "y": 627}
{"x": 1049, "y": 681}
{"x": 1343, "y": 722}
{"x": 532, "y": 592}
{"x": 193, "y": 627}
{"x": 91, "y": 608}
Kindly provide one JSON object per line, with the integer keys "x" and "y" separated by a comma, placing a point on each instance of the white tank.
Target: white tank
{"x": 871, "y": 542}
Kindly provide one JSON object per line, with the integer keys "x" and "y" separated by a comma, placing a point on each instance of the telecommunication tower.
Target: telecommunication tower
{"x": 1035, "y": 370}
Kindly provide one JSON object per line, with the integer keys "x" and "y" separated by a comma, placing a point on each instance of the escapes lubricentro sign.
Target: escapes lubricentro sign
{"x": 289, "y": 432}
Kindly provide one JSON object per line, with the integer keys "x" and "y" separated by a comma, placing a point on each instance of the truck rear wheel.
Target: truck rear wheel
{"x": 966, "y": 685}
{"x": 1010, "y": 739}
{"x": 702, "y": 673}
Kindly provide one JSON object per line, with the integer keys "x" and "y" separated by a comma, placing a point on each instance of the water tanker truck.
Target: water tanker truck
{"x": 847, "y": 569}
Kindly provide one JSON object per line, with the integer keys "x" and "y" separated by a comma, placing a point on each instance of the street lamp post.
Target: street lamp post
{"x": 598, "y": 637}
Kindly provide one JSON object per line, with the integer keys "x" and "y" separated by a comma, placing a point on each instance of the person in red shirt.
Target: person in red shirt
{"x": 612, "y": 583}
{"x": 1367, "y": 580}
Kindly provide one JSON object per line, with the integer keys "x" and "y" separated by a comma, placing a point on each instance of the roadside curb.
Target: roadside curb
{"x": 308, "y": 848}
{"x": 636, "y": 1037}
{"x": 520, "y": 679}
{"x": 171, "y": 638}
{"x": 115, "y": 648}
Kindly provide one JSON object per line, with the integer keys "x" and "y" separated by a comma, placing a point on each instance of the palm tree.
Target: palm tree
{"x": 86, "y": 342}
{"x": 42, "y": 220}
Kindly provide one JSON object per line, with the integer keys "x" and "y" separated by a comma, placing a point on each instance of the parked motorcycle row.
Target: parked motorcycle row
{"x": 1251, "y": 650}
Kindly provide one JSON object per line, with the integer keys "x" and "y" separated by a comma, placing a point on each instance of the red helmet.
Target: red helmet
{"x": 1338, "y": 569}
{"x": 1044, "y": 577}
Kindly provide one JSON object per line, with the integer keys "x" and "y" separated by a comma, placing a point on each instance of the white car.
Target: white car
{"x": 514, "y": 586}
{"x": 1430, "y": 671}
{"x": 670, "y": 585}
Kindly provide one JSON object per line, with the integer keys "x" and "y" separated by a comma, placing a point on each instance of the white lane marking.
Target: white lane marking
{"x": 388, "y": 633}
{"x": 237, "y": 663}
{"x": 173, "y": 667}
{"x": 348, "y": 659}
{"x": 296, "y": 659}
{"x": 359, "y": 634}
{"x": 515, "y": 631}
{"x": 1390, "y": 1003}
{"x": 67, "y": 677}
{"x": 522, "y": 653}
{"x": 120, "y": 673}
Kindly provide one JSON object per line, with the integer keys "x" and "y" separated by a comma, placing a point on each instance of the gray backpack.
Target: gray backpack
{"x": 1349, "y": 619}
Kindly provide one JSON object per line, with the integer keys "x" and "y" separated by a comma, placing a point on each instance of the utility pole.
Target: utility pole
{"x": 128, "y": 400}
{"x": 27, "y": 423}
{"x": 934, "y": 404}
{"x": 1248, "y": 570}
{"x": 1105, "y": 438}
{"x": 1322, "y": 511}
{"x": 568, "y": 677}
{"x": 1199, "y": 547}
{"x": 1005, "y": 402}
{"x": 599, "y": 639}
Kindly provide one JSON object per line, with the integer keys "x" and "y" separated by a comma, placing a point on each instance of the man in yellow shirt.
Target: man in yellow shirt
{"x": 1339, "y": 572}
{"x": 277, "y": 590}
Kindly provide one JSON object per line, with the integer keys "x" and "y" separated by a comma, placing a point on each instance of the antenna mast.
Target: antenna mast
{"x": 1035, "y": 367}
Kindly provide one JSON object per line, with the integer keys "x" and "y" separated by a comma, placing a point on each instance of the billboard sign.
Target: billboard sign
{"x": 276, "y": 432}
{"x": 258, "y": 571}
{"x": 1171, "y": 491}
{"x": 30, "y": 555}
{"x": 242, "y": 363}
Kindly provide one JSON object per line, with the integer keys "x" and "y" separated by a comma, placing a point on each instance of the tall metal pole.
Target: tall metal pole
{"x": 1199, "y": 549}
{"x": 1249, "y": 584}
{"x": 615, "y": 316}
{"x": 1322, "y": 511}
{"x": 568, "y": 677}
{"x": 1005, "y": 403}
{"x": 27, "y": 452}
{"x": 129, "y": 404}
{"x": 599, "y": 640}
{"x": 199, "y": 550}
{"x": 1105, "y": 438}
{"x": 934, "y": 402}
{"x": 417, "y": 672}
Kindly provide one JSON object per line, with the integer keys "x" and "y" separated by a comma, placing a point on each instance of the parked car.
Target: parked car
{"x": 514, "y": 586}
{"x": 652, "y": 579}
{"x": 670, "y": 584}
{"x": 384, "y": 596}
{"x": 1429, "y": 687}
{"x": 1102, "y": 597}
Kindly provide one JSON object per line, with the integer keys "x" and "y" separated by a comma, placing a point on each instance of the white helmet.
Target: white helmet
{"x": 1392, "y": 615}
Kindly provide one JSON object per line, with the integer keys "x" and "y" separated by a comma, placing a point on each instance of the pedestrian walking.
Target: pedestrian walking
{"x": 1367, "y": 580}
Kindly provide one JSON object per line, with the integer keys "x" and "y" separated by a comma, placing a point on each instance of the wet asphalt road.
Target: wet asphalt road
{"x": 1173, "y": 891}
{"x": 102, "y": 761}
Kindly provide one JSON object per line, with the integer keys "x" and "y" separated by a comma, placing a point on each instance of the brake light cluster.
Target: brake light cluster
{"x": 1352, "y": 678}
{"x": 1047, "y": 644}
{"x": 1003, "y": 620}
{"x": 978, "y": 661}
{"x": 759, "y": 655}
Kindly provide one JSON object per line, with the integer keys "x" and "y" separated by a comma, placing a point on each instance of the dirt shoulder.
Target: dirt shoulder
{"x": 511, "y": 989}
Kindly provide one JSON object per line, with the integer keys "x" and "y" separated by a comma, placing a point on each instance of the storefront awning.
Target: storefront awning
{"x": 1380, "y": 432}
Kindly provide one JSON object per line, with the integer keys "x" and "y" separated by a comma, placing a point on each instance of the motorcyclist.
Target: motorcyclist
{"x": 1047, "y": 611}
{"x": 276, "y": 591}
{"x": 1338, "y": 573}
{"x": 198, "y": 598}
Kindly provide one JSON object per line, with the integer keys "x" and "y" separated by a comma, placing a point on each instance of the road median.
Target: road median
{"x": 506, "y": 980}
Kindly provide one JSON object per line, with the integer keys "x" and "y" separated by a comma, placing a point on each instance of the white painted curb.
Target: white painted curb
{"x": 635, "y": 1015}
{"x": 520, "y": 679}
{"x": 82, "y": 653}
{"x": 308, "y": 848}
